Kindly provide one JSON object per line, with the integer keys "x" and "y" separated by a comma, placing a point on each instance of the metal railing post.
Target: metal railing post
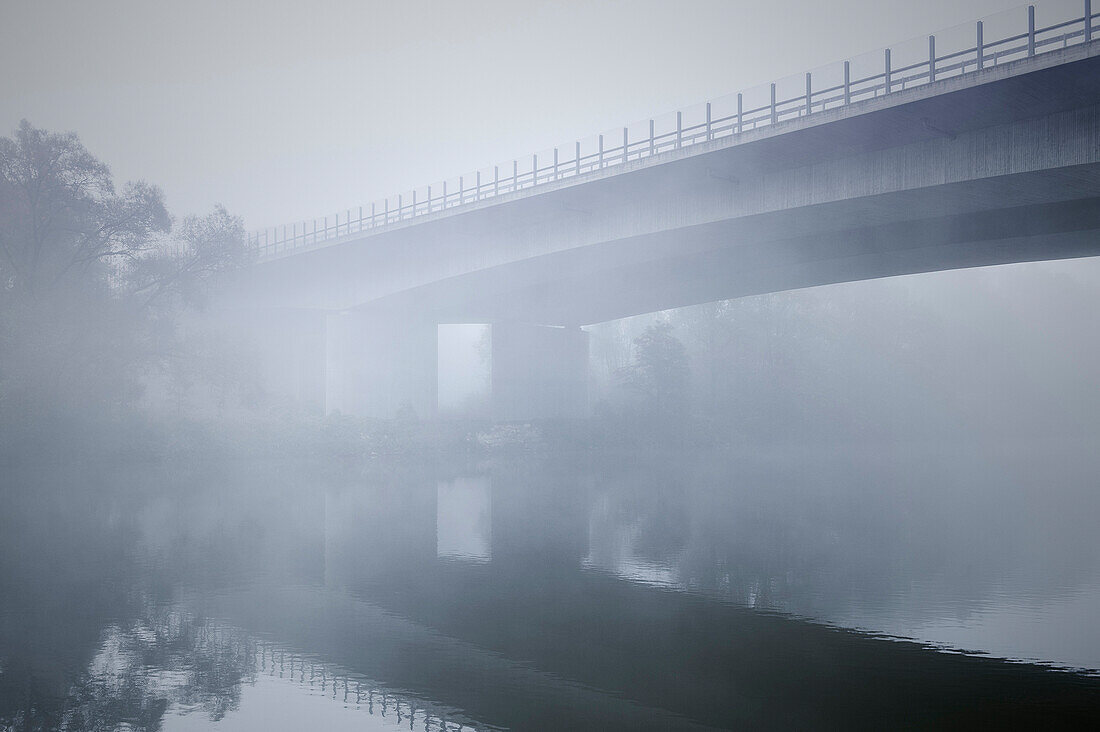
{"x": 886, "y": 76}
{"x": 775, "y": 116}
{"x": 740, "y": 116}
{"x": 555, "y": 163}
{"x": 385, "y": 214}
{"x": 577, "y": 157}
{"x": 625, "y": 145}
{"x": 1088, "y": 20}
{"x": 809, "y": 93}
{"x": 981, "y": 46}
{"x": 515, "y": 175}
{"x": 444, "y": 206}
{"x": 429, "y": 199}
{"x": 534, "y": 170}
{"x": 679, "y": 130}
{"x": 931, "y": 58}
{"x": 599, "y": 157}
{"x": 477, "y": 190}
{"x": 414, "y": 204}
{"x": 847, "y": 82}
{"x": 708, "y": 122}
{"x": 652, "y": 139}
{"x": 1030, "y": 30}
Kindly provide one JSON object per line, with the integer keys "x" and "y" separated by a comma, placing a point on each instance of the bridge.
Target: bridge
{"x": 974, "y": 147}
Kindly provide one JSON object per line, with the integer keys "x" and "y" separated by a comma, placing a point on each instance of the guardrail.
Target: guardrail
{"x": 1016, "y": 35}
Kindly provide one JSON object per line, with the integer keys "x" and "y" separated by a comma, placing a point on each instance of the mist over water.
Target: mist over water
{"x": 758, "y": 526}
{"x": 552, "y": 589}
{"x": 779, "y": 411}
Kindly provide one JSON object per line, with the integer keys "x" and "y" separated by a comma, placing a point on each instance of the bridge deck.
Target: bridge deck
{"x": 844, "y": 89}
{"x": 987, "y": 168}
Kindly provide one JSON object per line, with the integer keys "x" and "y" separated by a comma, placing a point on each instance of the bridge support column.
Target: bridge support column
{"x": 290, "y": 348}
{"x": 379, "y": 364}
{"x": 538, "y": 372}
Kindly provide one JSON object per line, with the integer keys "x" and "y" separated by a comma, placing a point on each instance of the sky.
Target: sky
{"x": 284, "y": 111}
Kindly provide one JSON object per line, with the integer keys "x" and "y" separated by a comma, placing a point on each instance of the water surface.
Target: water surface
{"x": 771, "y": 588}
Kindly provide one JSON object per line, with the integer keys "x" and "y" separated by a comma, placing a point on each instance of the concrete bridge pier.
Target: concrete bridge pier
{"x": 538, "y": 372}
{"x": 378, "y": 364}
{"x": 290, "y": 347}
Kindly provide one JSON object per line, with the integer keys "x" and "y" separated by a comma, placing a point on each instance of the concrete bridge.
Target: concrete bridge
{"x": 983, "y": 154}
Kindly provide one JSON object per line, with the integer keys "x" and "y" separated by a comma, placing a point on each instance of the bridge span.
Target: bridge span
{"x": 973, "y": 156}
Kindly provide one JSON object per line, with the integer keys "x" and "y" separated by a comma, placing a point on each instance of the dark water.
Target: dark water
{"x": 778, "y": 589}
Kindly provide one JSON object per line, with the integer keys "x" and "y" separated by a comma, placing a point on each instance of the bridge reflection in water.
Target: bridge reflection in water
{"x": 351, "y": 688}
{"x": 540, "y": 628}
{"x": 356, "y": 593}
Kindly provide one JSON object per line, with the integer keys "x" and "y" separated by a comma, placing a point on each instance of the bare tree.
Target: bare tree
{"x": 61, "y": 221}
{"x": 93, "y": 281}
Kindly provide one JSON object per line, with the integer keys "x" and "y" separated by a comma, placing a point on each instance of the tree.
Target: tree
{"x": 61, "y": 221}
{"x": 658, "y": 375}
{"x": 64, "y": 234}
{"x": 710, "y": 333}
{"x": 92, "y": 281}
{"x": 180, "y": 271}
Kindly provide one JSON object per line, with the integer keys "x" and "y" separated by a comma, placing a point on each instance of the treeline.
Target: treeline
{"x": 97, "y": 284}
{"x": 997, "y": 354}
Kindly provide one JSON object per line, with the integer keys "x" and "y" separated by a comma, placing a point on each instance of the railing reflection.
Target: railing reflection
{"x": 350, "y": 688}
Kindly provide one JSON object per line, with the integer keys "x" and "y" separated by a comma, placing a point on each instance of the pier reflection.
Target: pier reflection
{"x": 537, "y": 592}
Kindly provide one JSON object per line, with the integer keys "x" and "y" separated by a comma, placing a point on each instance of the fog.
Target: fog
{"x": 774, "y": 408}
{"x": 289, "y": 112}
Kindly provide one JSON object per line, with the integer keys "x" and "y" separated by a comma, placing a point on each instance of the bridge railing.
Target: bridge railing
{"x": 995, "y": 40}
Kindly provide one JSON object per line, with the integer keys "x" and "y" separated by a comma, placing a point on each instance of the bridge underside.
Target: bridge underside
{"x": 726, "y": 260}
{"x": 539, "y": 371}
{"x": 379, "y": 360}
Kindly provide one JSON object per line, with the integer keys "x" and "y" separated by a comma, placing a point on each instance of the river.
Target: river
{"x": 542, "y": 589}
